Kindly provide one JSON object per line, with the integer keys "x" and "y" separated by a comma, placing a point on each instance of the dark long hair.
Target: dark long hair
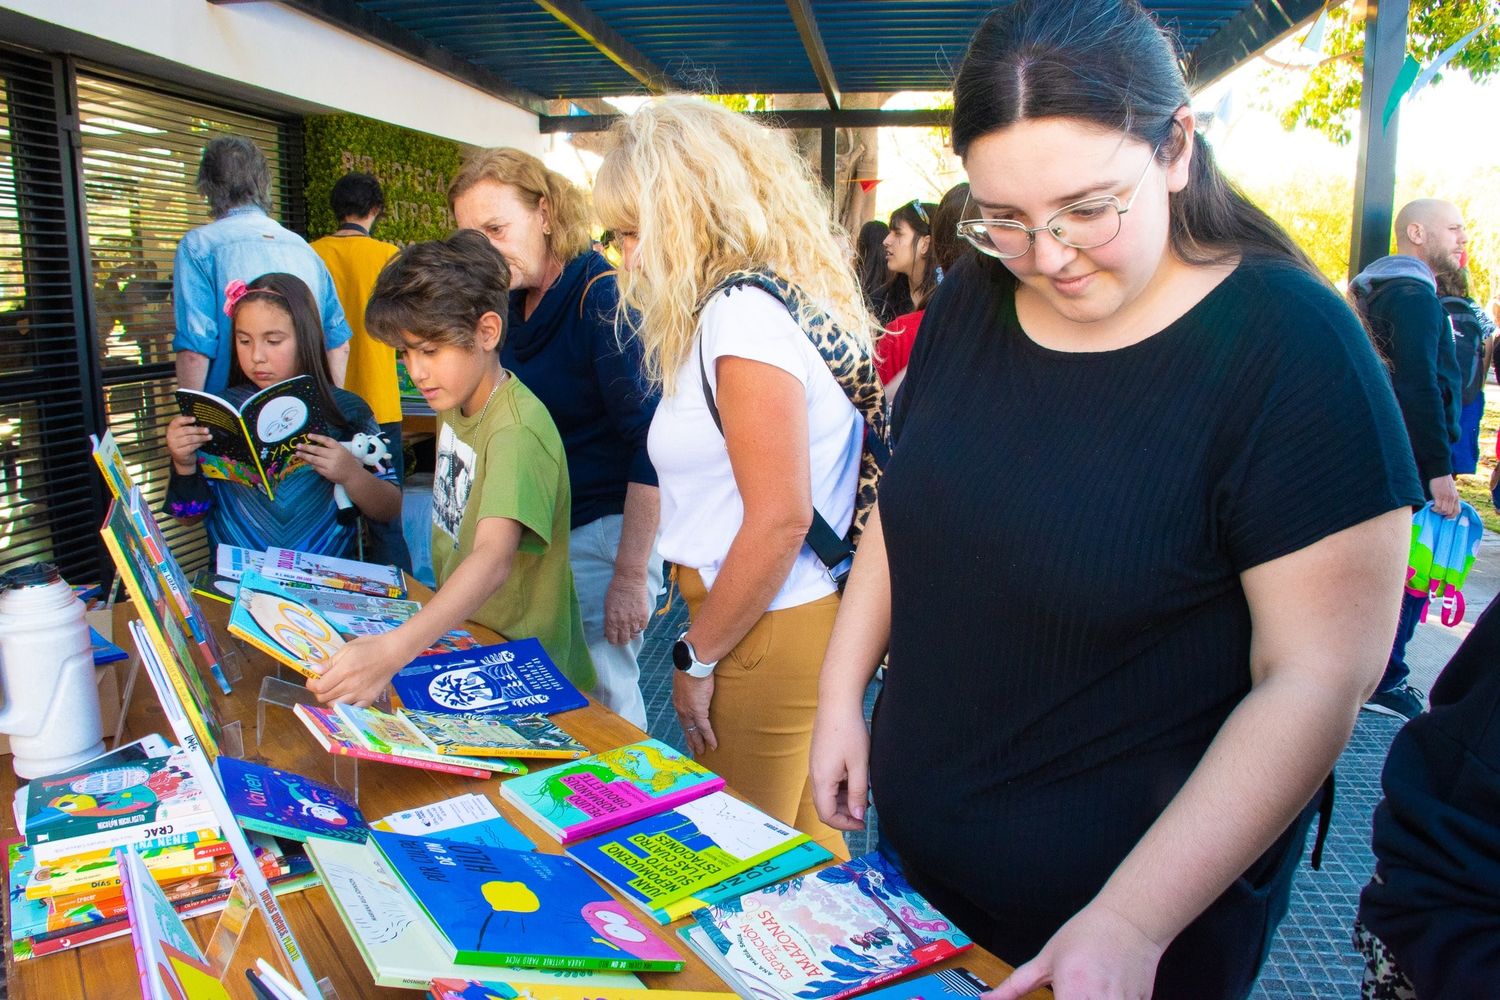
{"x": 899, "y": 292}
{"x": 1108, "y": 64}
{"x": 291, "y": 295}
{"x": 948, "y": 248}
{"x": 869, "y": 261}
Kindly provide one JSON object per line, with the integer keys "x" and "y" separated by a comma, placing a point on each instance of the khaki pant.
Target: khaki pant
{"x": 765, "y": 696}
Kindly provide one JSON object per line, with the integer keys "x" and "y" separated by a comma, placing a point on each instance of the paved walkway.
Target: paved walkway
{"x": 1312, "y": 956}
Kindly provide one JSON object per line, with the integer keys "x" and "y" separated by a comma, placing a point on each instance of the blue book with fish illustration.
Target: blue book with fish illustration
{"x": 492, "y": 906}
{"x": 287, "y": 805}
{"x": 511, "y": 677}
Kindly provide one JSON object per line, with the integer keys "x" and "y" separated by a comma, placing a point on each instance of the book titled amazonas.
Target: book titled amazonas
{"x": 255, "y": 443}
{"x": 492, "y": 906}
{"x": 598, "y": 793}
{"x": 833, "y": 933}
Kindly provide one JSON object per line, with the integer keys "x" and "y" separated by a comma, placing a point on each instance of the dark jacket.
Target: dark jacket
{"x": 1471, "y": 329}
{"x": 591, "y": 382}
{"x": 1437, "y": 832}
{"x": 1398, "y": 297}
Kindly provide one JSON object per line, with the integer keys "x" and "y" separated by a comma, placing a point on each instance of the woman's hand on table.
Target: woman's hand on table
{"x": 358, "y": 673}
{"x": 840, "y": 766}
{"x": 691, "y": 697}
{"x": 1097, "y": 955}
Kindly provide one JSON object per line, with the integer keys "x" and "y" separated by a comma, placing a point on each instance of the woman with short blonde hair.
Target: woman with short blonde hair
{"x": 754, "y": 326}
{"x": 561, "y": 341}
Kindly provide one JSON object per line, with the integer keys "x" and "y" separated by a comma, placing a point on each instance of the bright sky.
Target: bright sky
{"x": 1447, "y": 130}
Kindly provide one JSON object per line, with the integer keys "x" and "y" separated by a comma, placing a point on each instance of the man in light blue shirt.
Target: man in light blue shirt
{"x": 242, "y": 242}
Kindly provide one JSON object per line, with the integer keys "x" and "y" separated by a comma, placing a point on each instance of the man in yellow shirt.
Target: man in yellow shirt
{"x": 355, "y": 260}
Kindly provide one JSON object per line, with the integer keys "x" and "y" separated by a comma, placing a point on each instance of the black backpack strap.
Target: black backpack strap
{"x": 832, "y": 551}
{"x": 1325, "y": 819}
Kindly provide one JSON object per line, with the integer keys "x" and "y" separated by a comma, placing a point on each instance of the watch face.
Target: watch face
{"x": 682, "y": 655}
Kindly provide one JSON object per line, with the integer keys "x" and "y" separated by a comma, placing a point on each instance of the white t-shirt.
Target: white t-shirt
{"x": 701, "y": 508}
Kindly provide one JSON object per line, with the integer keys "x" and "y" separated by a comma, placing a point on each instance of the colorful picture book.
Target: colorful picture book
{"x": 168, "y": 959}
{"x": 398, "y": 944}
{"x": 279, "y": 624}
{"x": 96, "y": 807}
{"x": 160, "y": 561}
{"x": 386, "y": 733}
{"x": 491, "y": 906}
{"x": 513, "y": 677}
{"x": 661, "y": 859}
{"x": 832, "y": 933}
{"x": 362, "y": 614}
{"x": 98, "y": 873}
{"x": 46, "y": 927}
{"x": 191, "y": 723}
{"x": 776, "y": 869}
{"x": 587, "y": 797}
{"x": 471, "y": 989}
{"x": 494, "y": 735}
{"x": 471, "y": 819}
{"x": 337, "y": 738}
{"x": 164, "y": 634}
{"x": 231, "y": 561}
{"x": 111, "y": 462}
{"x": 255, "y": 443}
{"x": 287, "y": 805}
{"x": 333, "y": 573}
{"x": 150, "y": 745}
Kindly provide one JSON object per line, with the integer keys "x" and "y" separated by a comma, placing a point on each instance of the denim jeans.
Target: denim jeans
{"x": 1396, "y": 670}
{"x": 591, "y": 552}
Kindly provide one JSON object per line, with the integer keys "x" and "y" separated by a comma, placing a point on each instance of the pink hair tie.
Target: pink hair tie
{"x": 233, "y": 292}
{"x": 237, "y": 289}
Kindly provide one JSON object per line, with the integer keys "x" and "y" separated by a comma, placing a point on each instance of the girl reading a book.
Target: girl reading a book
{"x": 277, "y": 336}
{"x": 1109, "y": 710}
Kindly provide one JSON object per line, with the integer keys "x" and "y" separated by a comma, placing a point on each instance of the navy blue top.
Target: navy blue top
{"x": 591, "y": 383}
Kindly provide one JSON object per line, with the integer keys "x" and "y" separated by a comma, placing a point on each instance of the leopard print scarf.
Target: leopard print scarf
{"x": 852, "y": 368}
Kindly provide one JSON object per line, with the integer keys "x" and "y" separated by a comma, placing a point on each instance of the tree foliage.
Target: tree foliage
{"x": 1329, "y": 101}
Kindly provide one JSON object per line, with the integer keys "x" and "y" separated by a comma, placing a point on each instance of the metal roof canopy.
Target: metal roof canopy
{"x": 531, "y": 51}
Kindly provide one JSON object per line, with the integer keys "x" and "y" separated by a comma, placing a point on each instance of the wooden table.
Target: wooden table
{"x": 107, "y": 969}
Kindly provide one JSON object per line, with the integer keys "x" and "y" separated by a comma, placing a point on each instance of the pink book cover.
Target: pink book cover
{"x": 584, "y": 797}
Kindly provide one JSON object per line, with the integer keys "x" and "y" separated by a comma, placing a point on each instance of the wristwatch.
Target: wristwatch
{"x": 685, "y": 658}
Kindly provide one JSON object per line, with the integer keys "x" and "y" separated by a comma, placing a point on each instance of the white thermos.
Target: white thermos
{"x": 50, "y": 700}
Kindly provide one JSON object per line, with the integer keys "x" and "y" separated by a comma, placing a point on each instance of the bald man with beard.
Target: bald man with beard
{"x": 1398, "y": 297}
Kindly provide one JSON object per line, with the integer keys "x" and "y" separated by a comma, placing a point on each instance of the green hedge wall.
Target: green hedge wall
{"x": 413, "y": 169}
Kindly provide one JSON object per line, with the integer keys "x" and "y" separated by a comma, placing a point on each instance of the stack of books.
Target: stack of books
{"x": 65, "y": 876}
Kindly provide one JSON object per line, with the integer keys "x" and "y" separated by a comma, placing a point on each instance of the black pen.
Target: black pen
{"x": 258, "y": 987}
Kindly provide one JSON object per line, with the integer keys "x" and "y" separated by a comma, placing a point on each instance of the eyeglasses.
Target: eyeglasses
{"x": 916, "y": 206}
{"x": 1083, "y": 225}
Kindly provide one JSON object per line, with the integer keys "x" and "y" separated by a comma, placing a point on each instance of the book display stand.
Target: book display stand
{"x": 285, "y": 694}
{"x": 240, "y": 937}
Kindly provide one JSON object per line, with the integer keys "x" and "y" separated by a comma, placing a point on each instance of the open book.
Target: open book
{"x": 255, "y": 444}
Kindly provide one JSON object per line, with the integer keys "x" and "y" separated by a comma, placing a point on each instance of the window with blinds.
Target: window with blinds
{"x": 48, "y": 495}
{"x": 140, "y": 151}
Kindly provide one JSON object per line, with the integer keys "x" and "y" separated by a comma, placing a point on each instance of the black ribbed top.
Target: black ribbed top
{"x": 1066, "y": 533}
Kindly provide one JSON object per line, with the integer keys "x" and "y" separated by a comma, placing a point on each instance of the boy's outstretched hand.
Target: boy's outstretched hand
{"x": 359, "y": 672}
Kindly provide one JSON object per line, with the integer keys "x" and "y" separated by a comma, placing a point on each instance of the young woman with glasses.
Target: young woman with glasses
{"x": 1138, "y": 553}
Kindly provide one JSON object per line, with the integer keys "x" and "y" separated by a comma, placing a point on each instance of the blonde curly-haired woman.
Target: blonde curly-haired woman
{"x": 732, "y": 265}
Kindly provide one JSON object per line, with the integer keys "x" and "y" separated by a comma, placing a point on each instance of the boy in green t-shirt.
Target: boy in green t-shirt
{"x": 500, "y": 495}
